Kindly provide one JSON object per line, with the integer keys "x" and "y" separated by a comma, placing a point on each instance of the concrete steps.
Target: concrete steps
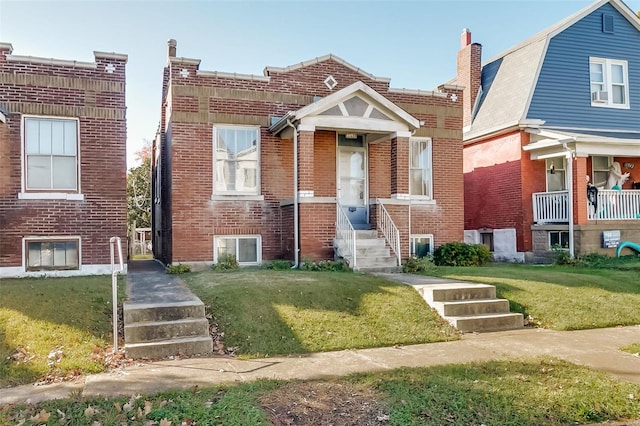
{"x": 470, "y": 307}
{"x": 165, "y": 329}
{"x": 372, "y": 253}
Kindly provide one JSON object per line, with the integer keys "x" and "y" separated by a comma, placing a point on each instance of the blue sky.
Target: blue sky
{"x": 412, "y": 42}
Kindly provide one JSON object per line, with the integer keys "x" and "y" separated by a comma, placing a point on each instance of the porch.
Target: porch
{"x": 607, "y": 205}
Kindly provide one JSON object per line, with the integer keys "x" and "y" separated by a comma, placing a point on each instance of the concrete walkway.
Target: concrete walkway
{"x": 147, "y": 283}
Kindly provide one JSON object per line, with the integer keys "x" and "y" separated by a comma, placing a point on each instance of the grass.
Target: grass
{"x": 633, "y": 349}
{"x": 142, "y": 257}
{"x": 541, "y": 391}
{"x": 561, "y": 298}
{"x": 39, "y": 316}
{"x": 265, "y": 313}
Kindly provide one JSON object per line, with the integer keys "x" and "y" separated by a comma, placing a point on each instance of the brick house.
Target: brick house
{"x": 303, "y": 162}
{"x": 556, "y": 120}
{"x": 62, "y": 163}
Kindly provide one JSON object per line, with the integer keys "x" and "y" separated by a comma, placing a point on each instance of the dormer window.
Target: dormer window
{"x": 609, "y": 83}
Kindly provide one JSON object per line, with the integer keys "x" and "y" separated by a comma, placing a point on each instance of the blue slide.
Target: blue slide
{"x": 632, "y": 246}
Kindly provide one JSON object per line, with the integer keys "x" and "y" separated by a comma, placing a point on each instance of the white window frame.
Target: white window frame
{"x": 50, "y": 239}
{"x": 412, "y": 243}
{"x": 239, "y": 194}
{"x": 48, "y": 194}
{"x": 593, "y": 169}
{"x": 563, "y": 170}
{"x": 608, "y": 83}
{"x": 430, "y": 167}
{"x": 258, "y": 239}
{"x": 559, "y": 238}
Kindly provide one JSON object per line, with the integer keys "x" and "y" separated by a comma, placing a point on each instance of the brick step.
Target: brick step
{"x": 472, "y": 307}
{"x": 185, "y": 346}
{"x": 487, "y": 322}
{"x": 135, "y": 312}
{"x": 149, "y": 331}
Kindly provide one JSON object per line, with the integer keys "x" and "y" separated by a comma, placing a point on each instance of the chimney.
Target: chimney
{"x": 469, "y": 72}
{"x": 171, "y": 48}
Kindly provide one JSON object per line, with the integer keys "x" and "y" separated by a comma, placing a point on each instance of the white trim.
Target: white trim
{"x": 563, "y": 157}
{"x": 559, "y": 232}
{"x": 184, "y": 61}
{"x": 258, "y": 238}
{"x": 3, "y": 118}
{"x": 412, "y": 243}
{"x": 585, "y": 131}
{"x": 231, "y": 197}
{"x": 402, "y": 134}
{"x": 232, "y": 75}
{"x": 111, "y": 55}
{"x": 608, "y": 84}
{"x": 19, "y": 272}
{"x": 51, "y": 61}
{"x": 430, "y": 149}
{"x": 418, "y": 92}
{"x": 32, "y": 238}
{"x": 238, "y": 194}
{"x": 78, "y": 189}
{"x": 357, "y": 124}
{"x": 50, "y": 196}
{"x": 534, "y": 81}
{"x": 305, "y": 194}
{"x": 304, "y": 127}
{"x": 391, "y": 201}
{"x": 365, "y": 150}
{"x": 401, "y": 196}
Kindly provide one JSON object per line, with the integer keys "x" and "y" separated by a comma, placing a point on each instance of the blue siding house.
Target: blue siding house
{"x": 553, "y": 133}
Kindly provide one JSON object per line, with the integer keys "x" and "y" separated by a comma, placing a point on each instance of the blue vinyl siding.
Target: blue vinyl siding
{"x": 562, "y": 96}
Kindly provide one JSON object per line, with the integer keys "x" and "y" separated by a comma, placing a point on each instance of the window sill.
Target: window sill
{"x": 237, "y": 197}
{"x": 50, "y": 196}
{"x": 423, "y": 201}
{"x": 614, "y": 106}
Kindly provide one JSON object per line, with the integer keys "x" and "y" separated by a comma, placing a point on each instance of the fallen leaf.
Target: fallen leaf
{"x": 147, "y": 407}
{"x": 127, "y": 407}
{"x": 90, "y": 411}
{"x": 140, "y": 415}
{"x": 41, "y": 417}
{"x": 165, "y": 422}
{"x": 96, "y": 423}
{"x": 118, "y": 407}
{"x": 61, "y": 414}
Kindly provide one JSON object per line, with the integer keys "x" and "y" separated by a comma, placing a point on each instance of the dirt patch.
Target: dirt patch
{"x": 324, "y": 403}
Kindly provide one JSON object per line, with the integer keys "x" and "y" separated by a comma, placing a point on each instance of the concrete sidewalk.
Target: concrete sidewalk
{"x": 597, "y": 349}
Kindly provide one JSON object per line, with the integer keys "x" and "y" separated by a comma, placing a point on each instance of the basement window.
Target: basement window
{"x": 52, "y": 254}
{"x": 246, "y": 249}
{"x": 421, "y": 245}
{"x": 559, "y": 238}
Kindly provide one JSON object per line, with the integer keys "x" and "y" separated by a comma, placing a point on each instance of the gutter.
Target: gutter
{"x": 296, "y": 201}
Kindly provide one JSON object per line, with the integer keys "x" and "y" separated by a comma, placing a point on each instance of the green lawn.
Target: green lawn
{"x": 540, "y": 391}
{"x": 561, "y": 298}
{"x": 634, "y": 349}
{"x": 41, "y": 316}
{"x": 265, "y": 313}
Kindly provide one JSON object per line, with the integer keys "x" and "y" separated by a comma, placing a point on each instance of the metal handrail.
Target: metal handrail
{"x": 113, "y": 243}
{"x": 346, "y": 233}
{"x": 389, "y": 230}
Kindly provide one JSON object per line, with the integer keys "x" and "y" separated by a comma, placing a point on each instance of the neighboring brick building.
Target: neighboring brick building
{"x": 351, "y": 136}
{"x": 62, "y": 163}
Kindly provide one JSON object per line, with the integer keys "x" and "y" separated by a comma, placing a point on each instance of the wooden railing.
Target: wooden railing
{"x": 347, "y": 234}
{"x": 616, "y": 205}
{"x": 389, "y": 230}
{"x": 551, "y": 207}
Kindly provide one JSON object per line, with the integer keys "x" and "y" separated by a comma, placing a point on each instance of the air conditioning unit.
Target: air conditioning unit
{"x": 599, "y": 96}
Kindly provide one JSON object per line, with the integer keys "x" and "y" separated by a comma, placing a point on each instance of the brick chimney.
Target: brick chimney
{"x": 469, "y": 71}
{"x": 171, "y": 48}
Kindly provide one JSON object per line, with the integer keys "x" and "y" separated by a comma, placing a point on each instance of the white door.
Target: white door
{"x": 352, "y": 179}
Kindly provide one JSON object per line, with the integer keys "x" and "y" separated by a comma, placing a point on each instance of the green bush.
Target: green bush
{"x": 278, "y": 265}
{"x": 178, "y": 269}
{"x": 326, "y": 265}
{"x": 226, "y": 262}
{"x": 417, "y": 264}
{"x": 563, "y": 257}
{"x": 462, "y": 254}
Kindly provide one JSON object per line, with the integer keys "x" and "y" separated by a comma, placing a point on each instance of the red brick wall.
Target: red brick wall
{"x": 97, "y": 98}
{"x": 324, "y": 164}
{"x": 317, "y": 231}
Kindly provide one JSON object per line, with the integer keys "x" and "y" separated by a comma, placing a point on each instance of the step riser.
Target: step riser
{"x": 168, "y": 348}
{"x": 376, "y": 261}
{"x": 488, "y": 324}
{"x": 133, "y": 314}
{"x": 374, "y": 252}
{"x": 500, "y": 306}
{"x": 148, "y": 332}
{"x": 471, "y": 293}
{"x": 384, "y": 269}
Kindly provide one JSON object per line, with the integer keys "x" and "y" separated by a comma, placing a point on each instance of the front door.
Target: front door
{"x": 352, "y": 178}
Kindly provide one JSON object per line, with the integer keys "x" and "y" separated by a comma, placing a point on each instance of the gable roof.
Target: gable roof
{"x": 319, "y": 59}
{"x": 509, "y": 79}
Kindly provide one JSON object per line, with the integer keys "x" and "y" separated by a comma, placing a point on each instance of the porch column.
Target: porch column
{"x": 580, "y": 216}
{"x": 305, "y": 163}
{"x": 400, "y": 165}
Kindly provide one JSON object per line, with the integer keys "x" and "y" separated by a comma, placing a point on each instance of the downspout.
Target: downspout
{"x": 570, "y": 190}
{"x": 296, "y": 232}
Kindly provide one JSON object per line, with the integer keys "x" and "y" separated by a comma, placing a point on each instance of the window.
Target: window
{"x": 487, "y": 239}
{"x": 420, "y": 182}
{"x": 235, "y": 160}
{"x": 609, "y": 83}
{"x": 560, "y": 238}
{"x": 52, "y": 254}
{"x": 51, "y": 154}
{"x": 245, "y": 249}
{"x": 421, "y": 245}
{"x": 600, "y": 170}
{"x": 556, "y": 180}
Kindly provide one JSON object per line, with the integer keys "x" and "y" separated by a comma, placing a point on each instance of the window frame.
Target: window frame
{"x": 429, "y": 141}
{"x": 559, "y": 232}
{"x": 51, "y": 239}
{"x": 607, "y": 82}
{"x": 235, "y": 193}
{"x": 412, "y": 243}
{"x": 52, "y": 193}
{"x": 593, "y": 168}
{"x": 258, "y": 239}
{"x": 563, "y": 169}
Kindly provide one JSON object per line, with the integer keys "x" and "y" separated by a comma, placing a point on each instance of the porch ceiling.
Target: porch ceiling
{"x": 356, "y": 108}
{"x": 547, "y": 143}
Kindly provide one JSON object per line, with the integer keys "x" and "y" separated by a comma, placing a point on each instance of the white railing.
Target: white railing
{"x": 616, "y": 205}
{"x": 389, "y": 230}
{"x": 551, "y": 207}
{"x": 116, "y": 268}
{"x": 347, "y": 234}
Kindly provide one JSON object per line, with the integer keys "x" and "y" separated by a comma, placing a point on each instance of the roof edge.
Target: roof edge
{"x": 233, "y": 75}
{"x": 51, "y": 61}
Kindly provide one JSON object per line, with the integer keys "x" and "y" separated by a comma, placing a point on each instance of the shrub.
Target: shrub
{"x": 178, "y": 269}
{"x": 417, "y": 264}
{"x": 462, "y": 254}
{"x": 279, "y": 265}
{"x": 326, "y": 265}
{"x": 563, "y": 257}
{"x": 226, "y": 262}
